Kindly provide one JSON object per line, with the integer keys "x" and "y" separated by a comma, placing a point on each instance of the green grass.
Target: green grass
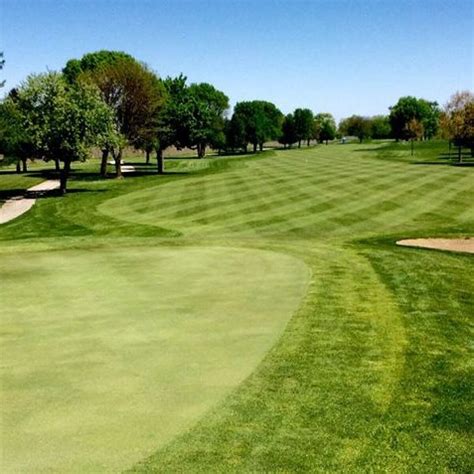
{"x": 370, "y": 370}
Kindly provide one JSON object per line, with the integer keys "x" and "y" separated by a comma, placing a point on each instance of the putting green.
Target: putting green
{"x": 108, "y": 354}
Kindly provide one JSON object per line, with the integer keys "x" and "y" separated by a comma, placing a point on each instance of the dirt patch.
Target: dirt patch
{"x": 453, "y": 245}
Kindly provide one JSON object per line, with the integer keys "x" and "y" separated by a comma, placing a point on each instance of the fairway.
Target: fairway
{"x": 246, "y": 314}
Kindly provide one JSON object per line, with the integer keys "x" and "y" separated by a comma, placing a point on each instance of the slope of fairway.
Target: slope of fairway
{"x": 108, "y": 354}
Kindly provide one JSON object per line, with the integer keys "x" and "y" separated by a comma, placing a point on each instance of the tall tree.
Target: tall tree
{"x": 262, "y": 121}
{"x": 130, "y": 88}
{"x": 414, "y": 131}
{"x": 380, "y": 127}
{"x": 303, "y": 121}
{"x": 324, "y": 127}
{"x": 458, "y": 121}
{"x": 64, "y": 121}
{"x": 356, "y": 126}
{"x": 236, "y": 138}
{"x": 409, "y": 108}
{"x": 289, "y": 134}
{"x": 203, "y": 117}
{"x": 15, "y": 140}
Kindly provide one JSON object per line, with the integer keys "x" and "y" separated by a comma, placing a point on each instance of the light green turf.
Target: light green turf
{"x": 109, "y": 354}
{"x": 373, "y": 372}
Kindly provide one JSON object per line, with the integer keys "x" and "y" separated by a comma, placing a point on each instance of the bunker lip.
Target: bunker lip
{"x": 465, "y": 245}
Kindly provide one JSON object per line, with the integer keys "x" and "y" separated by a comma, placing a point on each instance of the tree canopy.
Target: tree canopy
{"x": 409, "y": 108}
{"x": 63, "y": 121}
{"x": 303, "y": 123}
{"x": 261, "y": 119}
{"x": 324, "y": 127}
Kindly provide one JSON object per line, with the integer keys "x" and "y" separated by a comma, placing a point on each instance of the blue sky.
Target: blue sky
{"x": 343, "y": 57}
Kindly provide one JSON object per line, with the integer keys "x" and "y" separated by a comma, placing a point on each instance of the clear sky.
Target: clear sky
{"x": 338, "y": 56}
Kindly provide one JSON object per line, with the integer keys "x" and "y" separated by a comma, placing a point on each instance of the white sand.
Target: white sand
{"x": 18, "y": 205}
{"x": 454, "y": 245}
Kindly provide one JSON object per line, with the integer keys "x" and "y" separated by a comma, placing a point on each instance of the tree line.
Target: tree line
{"x": 109, "y": 100}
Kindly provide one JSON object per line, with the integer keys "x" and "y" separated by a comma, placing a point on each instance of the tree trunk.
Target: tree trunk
{"x": 25, "y": 166}
{"x": 147, "y": 157}
{"x": 327, "y": 142}
{"x": 255, "y": 147}
{"x": 18, "y": 166}
{"x": 118, "y": 163}
{"x": 308, "y": 142}
{"x": 160, "y": 163}
{"x": 103, "y": 162}
{"x": 299, "y": 143}
{"x": 57, "y": 167}
{"x": 201, "y": 150}
{"x": 64, "y": 176}
{"x": 246, "y": 147}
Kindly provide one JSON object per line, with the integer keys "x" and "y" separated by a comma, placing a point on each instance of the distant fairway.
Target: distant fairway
{"x": 312, "y": 194}
{"x": 253, "y": 314}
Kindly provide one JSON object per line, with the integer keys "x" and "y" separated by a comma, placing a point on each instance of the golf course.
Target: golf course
{"x": 248, "y": 313}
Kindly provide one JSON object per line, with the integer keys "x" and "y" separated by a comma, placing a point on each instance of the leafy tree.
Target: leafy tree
{"x": 64, "y": 121}
{"x": 457, "y": 121}
{"x": 414, "y": 131}
{"x": 135, "y": 95}
{"x": 170, "y": 118}
{"x": 203, "y": 117}
{"x": 408, "y": 108}
{"x": 303, "y": 122}
{"x": 15, "y": 141}
{"x": 380, "y": 127}
{"x": 262, "y": 121}
{"x": 235, "y": 133}
{"x": 324, "y": 127}
{"x": 93, "y": 61}
{"x": 289, "y": 134}
{"x": 131, "y": 89}
{"x": 356, "y": 126}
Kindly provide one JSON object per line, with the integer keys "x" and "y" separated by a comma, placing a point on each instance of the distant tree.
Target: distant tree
{"x": 303, "y": 123}
{"x": 356, "y": 126}
{"x": 64, "y": 121}
{"x": 15, "y": 140}
{"x": 414, "y": 131}
{"x": 457, "y": 121}
{"x": 262, "y": 121}
{"x": 131, "y": 89}
{"x": 289, "y": 134}
{"x": 2, "y": 63}
{"x": 380, "y": 127}
{"x": 136, "y": 95}
{"x": 235, "y": 133}
{"x": 171, "y": 118}
{"x": 203, "y": 117}
{"x": 324, "y": 127}
{"x": 408, "y": 108}
{"x": 93, "y": 61}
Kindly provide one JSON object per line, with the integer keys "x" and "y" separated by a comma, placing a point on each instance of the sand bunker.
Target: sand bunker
{"x": 18, "y": 205}
{"x": 453, "y": 245}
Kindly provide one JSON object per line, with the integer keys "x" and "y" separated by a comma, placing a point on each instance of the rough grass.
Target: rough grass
{"x": 372, "y": 373}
